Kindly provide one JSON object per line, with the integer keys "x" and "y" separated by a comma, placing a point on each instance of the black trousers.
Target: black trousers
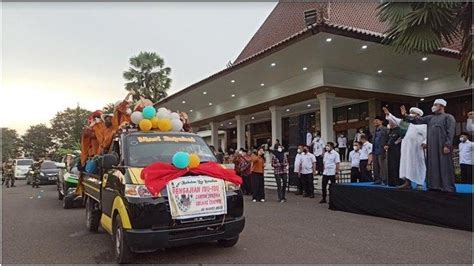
{"x": 326, "y": 179}
{"x": 466, "y": 173}
{"x": 320, "y": 164}
{"x": 282, "y": 181}
{"x": 300, "y": 184}
{"x": 308, "y": 181}
{"x": 355, "y": 175}
{"x": 258, "y": 186}
{"x": 393, "y": 165}
{"x": 246, "y": 185}
{"x": 342, "y": 154}
{"x": 365, "y": 175}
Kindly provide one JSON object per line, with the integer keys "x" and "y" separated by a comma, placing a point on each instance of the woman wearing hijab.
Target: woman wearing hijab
{"x": 258, "y": 185}
{"x": 280, "y": 168}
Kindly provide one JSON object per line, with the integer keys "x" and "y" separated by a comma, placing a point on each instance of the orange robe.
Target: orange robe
{"x": 86, "y": 139}
{"x": 120, "y": 115}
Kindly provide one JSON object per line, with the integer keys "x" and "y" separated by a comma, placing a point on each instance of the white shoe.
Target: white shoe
{"x": 262, "y": 200}
{"x": 254, "y": 200}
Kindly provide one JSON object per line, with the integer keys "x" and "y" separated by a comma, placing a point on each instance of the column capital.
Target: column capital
{"x": 326, "y": 95}
{"x": 275, "y": 108}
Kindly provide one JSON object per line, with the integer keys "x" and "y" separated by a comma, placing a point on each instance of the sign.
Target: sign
{"x": 196, "y": 196}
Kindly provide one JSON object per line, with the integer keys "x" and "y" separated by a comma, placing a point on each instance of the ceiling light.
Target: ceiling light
{"x": 349, "y": 108}
{"x": 191, "y": 110}
{"x": 426, "y": 78}
{"x": 253, "y": 117}
{"x": 287, "y": 110}
{"x": 233, "y": 95}
{"x": 364, "y": 46}
{"x": 422, "y": 99}
{"x": 210, "y": 103}
{"x": 232, "y": 81}
{"x": 222, "y": 125}
{"x": 230, "y": 123}
{"x": 309, "y": 105}
{"x": 379, "y": 71}
{"x": 424, "y": 58}
{"x": 204, "y": 92}
{"x": 328, "y": 40}
{"x": 262, "y": 84}
{"x": 273, "y": 64}
{"x": 183, "y": 101}
{"x": 305, "y": 68}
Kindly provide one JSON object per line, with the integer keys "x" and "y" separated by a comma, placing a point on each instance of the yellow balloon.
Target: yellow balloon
{"x": 194, "y": 161}
{"x": 145, "y": 125}
{"x": 154, "y": 122}
{"x": 165, "y": 124}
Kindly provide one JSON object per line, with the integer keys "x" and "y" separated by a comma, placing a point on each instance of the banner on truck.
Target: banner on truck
{"x": 196, "y": 196}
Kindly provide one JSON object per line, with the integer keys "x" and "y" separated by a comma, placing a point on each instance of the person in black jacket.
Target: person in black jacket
{"x": 393, "y": 148}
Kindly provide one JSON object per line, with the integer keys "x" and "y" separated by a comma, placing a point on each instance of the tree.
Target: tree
{"x": 38, "y": 141}
{"x": 10, "y": 143}
{"x": 108, "y": 108}
{"x": 428, "y": 26}
{"x": 67, "y": 127}
{"x": 148, "y": 77}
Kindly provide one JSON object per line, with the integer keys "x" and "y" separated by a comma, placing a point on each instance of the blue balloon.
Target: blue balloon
{"x": 149, "y": 112}
{"x": 181, "y": 160}
{"x": 91, "y": 166}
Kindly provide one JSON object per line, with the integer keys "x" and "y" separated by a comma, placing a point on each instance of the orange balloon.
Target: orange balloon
{"x": 154, "y": 122}
{"x": 194, "y": 161}
{"x": 165, "y": 124}
{"x": 145, "y": 125}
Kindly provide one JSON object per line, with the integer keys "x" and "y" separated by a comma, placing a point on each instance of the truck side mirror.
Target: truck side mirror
{"x": 109, "y": 161}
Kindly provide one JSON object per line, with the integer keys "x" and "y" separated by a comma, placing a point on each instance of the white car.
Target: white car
{"x": 22, "y": 167}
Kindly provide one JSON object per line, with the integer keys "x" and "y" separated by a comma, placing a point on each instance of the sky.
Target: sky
{"x": 58, "y": 55}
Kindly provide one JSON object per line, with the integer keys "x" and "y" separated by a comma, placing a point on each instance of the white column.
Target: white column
{"x": 215, "y": 134}
{"x": 276, "y": 123}
{"x": 224, "y": 142}
{"x": 240, "y": 131}
{"x": 326, "y": 105}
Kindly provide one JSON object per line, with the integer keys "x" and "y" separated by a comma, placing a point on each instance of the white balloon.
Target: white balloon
{"x": 161, "y": 114}
{"x": 174, "y": 115}
{"x": 162, "y": 109}
{"x": 176, "y": 125}
{"x": 136, "y": 117}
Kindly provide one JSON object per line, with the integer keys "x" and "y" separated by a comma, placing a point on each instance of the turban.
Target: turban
{"x": 440, "y": 101}
{"x": 417, "y": 111}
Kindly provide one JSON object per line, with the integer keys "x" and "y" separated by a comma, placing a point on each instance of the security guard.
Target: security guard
{"x": 36, "y": 168}
{"x": 8, "y": 172}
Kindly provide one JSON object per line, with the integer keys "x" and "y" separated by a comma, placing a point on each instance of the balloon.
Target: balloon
{"x": 174, "y": 115}
{"x": 154, "y": 122}
{"x": 149, "y": 112}
{"x": 194, "y": 160}
{"x": 136, "y": 117}
{"x": 145, "y": 125}
{"x": 163, "y": 113}
{"x": 165, "y": 124}
{"x": 181, "y": 160}
{"x": 176, "y": 125}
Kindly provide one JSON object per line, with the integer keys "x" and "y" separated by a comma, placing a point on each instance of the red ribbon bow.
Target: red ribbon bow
{"x": 157, "y": 175}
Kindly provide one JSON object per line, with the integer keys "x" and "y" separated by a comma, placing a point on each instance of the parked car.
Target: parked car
{"x": 22, "y": 166}
{"x": 48, "y": 174}
{"x": 67, "y": 182}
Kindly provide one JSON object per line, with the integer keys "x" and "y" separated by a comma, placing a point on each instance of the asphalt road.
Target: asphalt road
{"x": 37, "y": 230}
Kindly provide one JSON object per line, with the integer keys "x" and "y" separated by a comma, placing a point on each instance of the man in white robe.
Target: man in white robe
{"x": 412, "y": 160}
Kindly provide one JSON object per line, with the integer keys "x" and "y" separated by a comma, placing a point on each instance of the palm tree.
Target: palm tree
{"x": 428, "y": 26}
{"x": 108, "y": 108}
{"x": 148, "y": 77}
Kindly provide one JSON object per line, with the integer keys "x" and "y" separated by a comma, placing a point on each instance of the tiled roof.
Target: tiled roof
{"x": 287, "y": 19}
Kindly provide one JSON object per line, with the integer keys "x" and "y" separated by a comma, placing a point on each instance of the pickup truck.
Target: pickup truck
{"x": 117, "y": 198}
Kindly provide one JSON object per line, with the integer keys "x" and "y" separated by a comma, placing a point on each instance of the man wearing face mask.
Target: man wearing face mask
{"x": 307, "y": 169}
{"x": 280, "y": 168}
{"x": 441, "y": 130}
{"x": 354, "y": 159}
{"x": 296, "y": 170}
{"x": 342, "y": 146}
{"x": 331, "y": 168}
{"x": 318, "y": 151}
{"x": 466, "y": 160}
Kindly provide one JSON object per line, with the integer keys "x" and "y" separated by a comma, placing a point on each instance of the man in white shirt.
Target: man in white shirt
{"x": 354, "y": 158}
{"x": 342, "y": 146}
{"x": 365, "y": 159}
{"x": 307, "y": 168}
{"x": 309, "y": 138}
{"x": 331, "y": 168}
{"x": 466, "y": 160}
{"x": 318, "y": 151}
{"x": 296, "y": 170}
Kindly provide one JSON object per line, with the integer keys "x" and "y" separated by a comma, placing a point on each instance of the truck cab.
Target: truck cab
{"x": 117, "y": 198}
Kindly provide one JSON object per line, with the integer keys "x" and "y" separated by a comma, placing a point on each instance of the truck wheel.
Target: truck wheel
{"x": 227, "y": 243}
{"x": 92, "y": 215}
{"x": 122, "y": 250}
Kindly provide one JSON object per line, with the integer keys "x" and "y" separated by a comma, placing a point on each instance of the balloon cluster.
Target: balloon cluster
{"x": 184, "y": 160}
{"x": 161, "y": 119}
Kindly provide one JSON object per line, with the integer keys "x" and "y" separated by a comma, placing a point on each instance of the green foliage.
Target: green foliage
{"x": 10, "y": 143}
{"x": 109, "y": 108}
{"x": 67, "y": 127}
{"x": 38, "y": 141}
{"x": 148, "y": 76}
{"x": 428, "y": 26}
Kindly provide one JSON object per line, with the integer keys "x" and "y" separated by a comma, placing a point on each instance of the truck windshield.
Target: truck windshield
{"x": 147, "y": 149}
{"x": 24, "y": 162}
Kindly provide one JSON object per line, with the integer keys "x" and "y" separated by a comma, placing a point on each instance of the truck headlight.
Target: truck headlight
{"x": 229, "y": 186}
{"x": 41, "y": 174}
{"x": 137, "y": 191}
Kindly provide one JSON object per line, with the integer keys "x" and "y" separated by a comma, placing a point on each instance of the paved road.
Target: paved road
{"x": 37, "y": 230}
